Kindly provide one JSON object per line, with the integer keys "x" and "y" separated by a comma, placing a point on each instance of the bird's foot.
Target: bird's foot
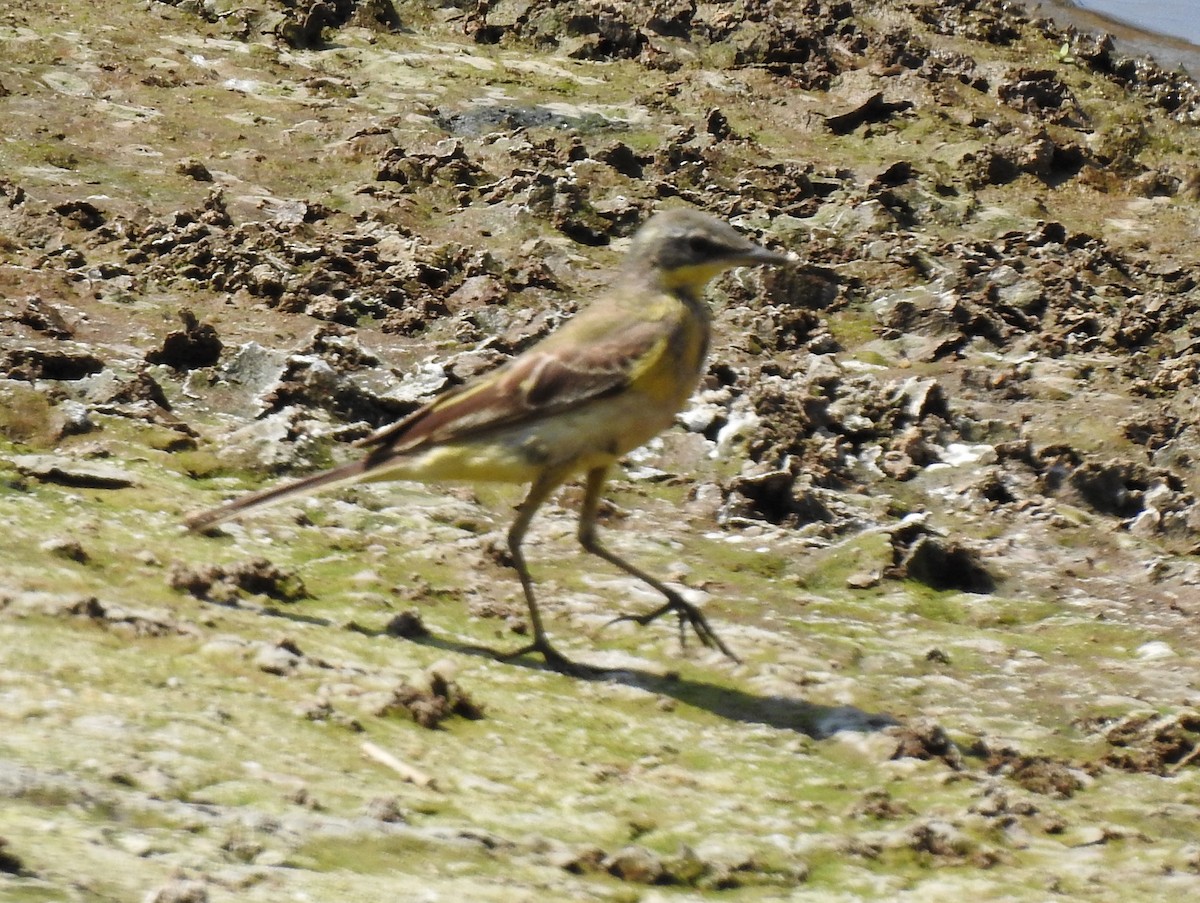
{"x": 688, "y": 614}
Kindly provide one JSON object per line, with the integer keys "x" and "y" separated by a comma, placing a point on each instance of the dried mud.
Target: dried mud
{"x": 938, "y": 488}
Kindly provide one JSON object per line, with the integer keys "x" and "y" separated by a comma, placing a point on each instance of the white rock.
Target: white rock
{"x": 1154, "y": 651}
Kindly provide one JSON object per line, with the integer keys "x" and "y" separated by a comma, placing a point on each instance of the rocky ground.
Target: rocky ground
{"x": 938, "y": 489}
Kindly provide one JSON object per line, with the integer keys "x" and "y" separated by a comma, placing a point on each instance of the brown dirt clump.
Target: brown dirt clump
{"x": 224, "y": 583}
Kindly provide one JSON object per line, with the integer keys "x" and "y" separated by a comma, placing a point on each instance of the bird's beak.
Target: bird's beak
{"x": 757, "y": 256}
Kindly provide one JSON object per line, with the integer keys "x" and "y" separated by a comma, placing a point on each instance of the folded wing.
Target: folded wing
{"x": 569, "y": 369}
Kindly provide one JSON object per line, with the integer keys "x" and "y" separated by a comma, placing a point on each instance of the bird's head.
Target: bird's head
{"x": 686, "y": 248}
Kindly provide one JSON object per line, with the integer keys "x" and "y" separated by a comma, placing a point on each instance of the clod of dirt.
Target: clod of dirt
{"x": 10, "y": 862}
{"x": 41, "y": 316}
{"x": 636, "y": 864}
{"x": 280, "y": 658}
{"x": 1155, "y": 744}
{"x": 66, "y": 547}
{"x": 116, "y": 393}
{"x": 1126, "y": 488}
{"x": 407, "y": 626}
{"x": 430, "y": 707}
{"x": 873, "y": 109}
{"x": 380, "y": 15}
{"x": 193, "y": 169}
{"x": 686, "y": 867}
{"x": 32, "y": 364}
{"x": 11, "y": 195}
{"x": 937, "y": 838}
{"x": 926, "y": 740}
{"x": 579, "y": 859}
{"x": 938, "y": 563}
{"x": 1152, "y": 431}
{"x": 624, "y": 159}
{"x": 76, "y": 419}
{"x": 113, "y": 617}
{"x": 89, "y": 607}
{"x": 1037, "y": 774}
{"x": 777, "y": 496}
{"x": 322, "y": 375}
{"x": 878, "y": 804}
{"x": 307, "y": 31}
{"x": 81, "y": 214}
{"x": 319, "y": 708}
{"x": 997, "y": 802}
{"x": 223, "y": 583}
{"x": 1042, "y": 94}
{"x": 1112, "y": 488}
{"x": 196, "y": 345}
{"x": 386, "y": 809}
{"x": 179, "y": 890}
{"x": 448, "y": 166}
{"x": 864, "y": 580}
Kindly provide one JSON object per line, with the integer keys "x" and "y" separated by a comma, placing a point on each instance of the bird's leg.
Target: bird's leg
{"x": 538, "y": 493}
{"x": 688, "y": 613}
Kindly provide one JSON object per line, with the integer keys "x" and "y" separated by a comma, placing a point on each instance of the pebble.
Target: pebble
{"x": 1153, "y": 651}
{"x": 635, "y": 863}
{"x": 59, "y": 469}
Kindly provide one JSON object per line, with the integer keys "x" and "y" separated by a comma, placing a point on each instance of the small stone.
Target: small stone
{"x": 193, "y": 169}
{"x": 1053, "y": 825}
{"x": 1089, "y": 836}
{"x": 277, "y": 659}
{"x": 179, "y": 890}
{"x": 302, "y": 796}
{"x": 1154, "y": 651}
{"x": 65, "y": 547}
{"x": 139, "y": 845}
{"x": 76, "y": 419}
{"x": 55, "y": 469}
{"x": 864, "y": 580}
{"x": 386, "y": 809}
{"x": 636, "y": 864}
{"x": 1146, "y": 523}
{"x": 579, "y": 860}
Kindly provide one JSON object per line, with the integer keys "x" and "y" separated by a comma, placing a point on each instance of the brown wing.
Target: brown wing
{"x": 591, "y": 357}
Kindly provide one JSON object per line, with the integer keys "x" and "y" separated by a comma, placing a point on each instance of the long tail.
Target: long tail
{"x": 347, "y": 473}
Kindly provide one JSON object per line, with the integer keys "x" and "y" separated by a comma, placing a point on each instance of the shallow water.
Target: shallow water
{"x": 1174, "y": 18}
{"x": 1168, "y": 30}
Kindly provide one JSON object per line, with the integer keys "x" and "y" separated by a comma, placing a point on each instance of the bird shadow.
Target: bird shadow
{"x": 772, "y": 710}
{"x": 730, "y": 703}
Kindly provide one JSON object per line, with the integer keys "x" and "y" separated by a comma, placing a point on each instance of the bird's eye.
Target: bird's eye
{"x": 703, "y": 246}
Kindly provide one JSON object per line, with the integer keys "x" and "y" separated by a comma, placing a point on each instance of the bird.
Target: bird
{"x": 608, "y": 380}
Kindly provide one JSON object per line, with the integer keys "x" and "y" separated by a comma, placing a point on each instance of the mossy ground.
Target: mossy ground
{"x": 148, "y": 736}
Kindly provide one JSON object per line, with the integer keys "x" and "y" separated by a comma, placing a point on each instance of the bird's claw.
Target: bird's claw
{"x": 688, "y": 614}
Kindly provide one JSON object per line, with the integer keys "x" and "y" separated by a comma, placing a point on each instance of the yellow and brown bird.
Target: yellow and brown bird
{"x": 603, "y": 384}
